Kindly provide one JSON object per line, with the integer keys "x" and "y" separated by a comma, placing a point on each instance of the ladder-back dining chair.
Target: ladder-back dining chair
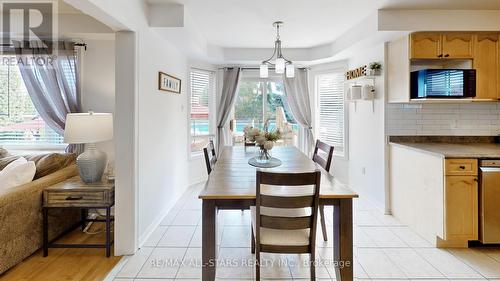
{"x": 325, "y": 163}
{"x": 285, "y": 216}
{"x": 210, "y": 157}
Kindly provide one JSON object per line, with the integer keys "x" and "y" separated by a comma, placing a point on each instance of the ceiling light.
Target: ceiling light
{"x": 280, "y": 63}
{"x": 264, "y": 71}
{"x": 290, "y": 71}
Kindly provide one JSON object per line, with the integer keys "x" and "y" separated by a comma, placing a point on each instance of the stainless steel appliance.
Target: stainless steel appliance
{"x": 489, "y": 202}
{"x": 443, "y": 83}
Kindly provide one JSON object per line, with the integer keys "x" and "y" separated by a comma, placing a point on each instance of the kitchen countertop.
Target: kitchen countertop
{"x": 455, "y": 150}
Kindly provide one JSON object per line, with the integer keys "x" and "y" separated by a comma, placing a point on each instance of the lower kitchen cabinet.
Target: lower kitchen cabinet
{"x": 461, "y": 208}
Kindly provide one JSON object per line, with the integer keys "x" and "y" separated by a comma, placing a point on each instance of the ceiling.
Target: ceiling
{"x": 308, "y": 23}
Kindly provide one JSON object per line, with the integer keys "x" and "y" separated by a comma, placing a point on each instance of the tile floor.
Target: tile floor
{"x": 384, "y": 250}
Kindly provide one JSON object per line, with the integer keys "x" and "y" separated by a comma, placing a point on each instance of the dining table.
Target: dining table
{"x": 232, "y": 184}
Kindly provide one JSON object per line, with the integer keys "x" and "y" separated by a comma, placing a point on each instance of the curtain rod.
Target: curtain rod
{"x": 256, "y": 67}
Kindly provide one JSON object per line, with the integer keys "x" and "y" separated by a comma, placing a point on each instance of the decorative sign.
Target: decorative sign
{"x": 169, "y": 83}
{"x": 355, "y": 73}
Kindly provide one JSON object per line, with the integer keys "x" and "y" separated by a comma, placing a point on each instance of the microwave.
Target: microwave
{"x": 443, "y": 83}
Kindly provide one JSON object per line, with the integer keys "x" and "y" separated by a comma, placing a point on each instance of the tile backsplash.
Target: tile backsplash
{"x": 468, "y": 119}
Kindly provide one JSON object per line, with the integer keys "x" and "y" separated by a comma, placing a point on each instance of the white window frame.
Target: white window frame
{"x": 211, "y": 111}
{"x": 345, "y": 154}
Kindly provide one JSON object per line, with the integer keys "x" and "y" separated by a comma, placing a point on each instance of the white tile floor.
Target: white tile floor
{"x": 384, "y": 250}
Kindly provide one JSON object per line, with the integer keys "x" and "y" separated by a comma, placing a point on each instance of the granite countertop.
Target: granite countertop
{"x": 455, "y": 150}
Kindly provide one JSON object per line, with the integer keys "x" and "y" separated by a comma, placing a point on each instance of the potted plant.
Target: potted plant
{"x": 374, "y": 68}
{"x": 264, "y": 140}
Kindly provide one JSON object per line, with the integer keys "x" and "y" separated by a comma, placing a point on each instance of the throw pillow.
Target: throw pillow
{"x": 17, "y": 173}
{"x": 45, "y": 163}
{"x": 3, "y": 152}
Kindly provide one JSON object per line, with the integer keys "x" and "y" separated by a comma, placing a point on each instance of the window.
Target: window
{"x": 259, "y": 101}
{"x": 20, "y": 123}
{"x": 202, "y": 88}
{"x": 330, "y": 110}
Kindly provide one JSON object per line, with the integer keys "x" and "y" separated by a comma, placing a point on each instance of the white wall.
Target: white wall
{"x": 162, "y": 131}
{"x": 159, "y": 175}
{"x": 366, "y": 135}
{"x": 470, "y": 119}
{"x": 98, "y": 82}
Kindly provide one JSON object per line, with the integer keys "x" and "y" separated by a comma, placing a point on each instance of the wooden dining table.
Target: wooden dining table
{"x": 231, "y": 185}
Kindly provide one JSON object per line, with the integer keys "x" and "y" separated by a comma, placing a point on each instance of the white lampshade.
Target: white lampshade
{"x": 280, "y": 66}
{"x": 88, "y": 127}
{"x": 290, "y": 70}
{"x": 264, "y": 71}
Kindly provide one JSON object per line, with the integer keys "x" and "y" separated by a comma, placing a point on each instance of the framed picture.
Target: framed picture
{"x": 169, "y": 83}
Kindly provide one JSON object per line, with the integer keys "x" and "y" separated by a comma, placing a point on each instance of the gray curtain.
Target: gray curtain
{"x": 230, "y": 82}
{"x": 51, "y": 81}
{"x": 297, "y": 95}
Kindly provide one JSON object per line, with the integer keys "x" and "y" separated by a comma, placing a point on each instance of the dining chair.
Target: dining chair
{"x": 248, "y": 143}
{"x": 325, "y": 163}
{"x": 284, "y": 218}
{"x": 210, "y": 157}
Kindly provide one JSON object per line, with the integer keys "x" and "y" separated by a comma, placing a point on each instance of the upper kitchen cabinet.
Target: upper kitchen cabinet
{"x": 444, "y": 50}
{"x": 436, "y": 45}
{"x": 457, "y": 45}
{"x": 486, "y": 65}
{"x": 425, "y": 45}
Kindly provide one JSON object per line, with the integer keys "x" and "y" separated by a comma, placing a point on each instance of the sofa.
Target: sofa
{"x": 21, "y": 207}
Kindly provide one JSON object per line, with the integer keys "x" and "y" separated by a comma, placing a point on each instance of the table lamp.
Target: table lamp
{"x": 89, "y": 128}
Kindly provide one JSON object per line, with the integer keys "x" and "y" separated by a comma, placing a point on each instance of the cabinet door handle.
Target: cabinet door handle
{"x": 71, "y": 198}
{"x": 462, "y": 167}
{"x": 476, "y": 180}
{"x": 447, "y": 55}
{"x": 440, "y": 56}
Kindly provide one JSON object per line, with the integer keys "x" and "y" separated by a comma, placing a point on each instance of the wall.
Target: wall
{"x": 469, "y": 119}
{"x": 162, "y": 131}
{"x": 156, "y": 170}
{"x": 98, "y": 82}
{"x": 366, "y": 135}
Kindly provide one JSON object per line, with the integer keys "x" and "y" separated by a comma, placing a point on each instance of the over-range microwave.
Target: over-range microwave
{"x": 443, "y": 83}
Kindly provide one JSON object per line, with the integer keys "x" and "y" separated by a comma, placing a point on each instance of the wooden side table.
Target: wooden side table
{"x": 74, "y": 194}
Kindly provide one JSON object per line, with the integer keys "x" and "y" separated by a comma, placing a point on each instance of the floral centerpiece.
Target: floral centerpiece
{"x": 264, "y": 140}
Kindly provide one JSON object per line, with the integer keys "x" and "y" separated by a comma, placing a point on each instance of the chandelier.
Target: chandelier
{"x": 281, "y": 64}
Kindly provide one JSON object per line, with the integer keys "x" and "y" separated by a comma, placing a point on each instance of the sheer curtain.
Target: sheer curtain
{"x": 230, "y": 81}
{"x": 297, "y": 95}
{"x": 51, "y": 81}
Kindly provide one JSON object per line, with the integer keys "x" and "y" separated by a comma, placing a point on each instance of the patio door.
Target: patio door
{"x": 261, "y": 103}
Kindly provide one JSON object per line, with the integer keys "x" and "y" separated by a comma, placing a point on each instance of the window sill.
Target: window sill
{"x": 26, "y": 149}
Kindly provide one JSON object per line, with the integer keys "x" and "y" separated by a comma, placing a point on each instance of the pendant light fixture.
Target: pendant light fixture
{"x": 281, "y": 64}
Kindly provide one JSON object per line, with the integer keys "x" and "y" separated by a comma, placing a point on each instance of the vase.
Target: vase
{"x": 262, "y": 155}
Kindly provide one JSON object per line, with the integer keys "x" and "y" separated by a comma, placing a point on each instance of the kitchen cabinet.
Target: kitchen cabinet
{"x": 461, "y": 208}
{"x": 435, "y": 45}
{"x": 425, "y": 45}
{"x": 435, "y": 196}
{"x": 461, "y": 200}
{"x": 457, "y": 45}
{"x": 419, "y": 50}
{"x": 486, "y": 65}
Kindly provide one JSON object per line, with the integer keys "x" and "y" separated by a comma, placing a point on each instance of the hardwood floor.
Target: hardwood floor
{"x": 67, "y": 264}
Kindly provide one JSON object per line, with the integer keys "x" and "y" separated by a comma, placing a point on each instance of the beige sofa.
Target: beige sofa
{"x": 21, "y": 215}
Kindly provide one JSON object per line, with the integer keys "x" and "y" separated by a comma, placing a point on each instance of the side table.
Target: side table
{"x": 74, "y": 194}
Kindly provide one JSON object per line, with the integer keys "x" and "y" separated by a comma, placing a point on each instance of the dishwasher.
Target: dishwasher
{"x": 489, "y": 202}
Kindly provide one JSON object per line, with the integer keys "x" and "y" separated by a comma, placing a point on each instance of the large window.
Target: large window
{"x": 330, "y": 110}
{"x": 260, "y": 102}
{"x": 20, "y": 123}
{"x": 202, "y": 88}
